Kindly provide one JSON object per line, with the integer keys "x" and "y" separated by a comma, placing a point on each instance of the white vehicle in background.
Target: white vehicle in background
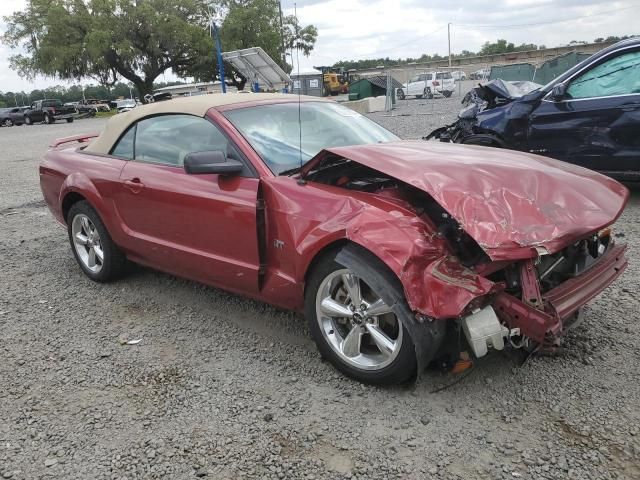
{"x": 427, "y": 85}
{"x": 482, "y": 74}
{"x": 458, "y": 76}
{"x": 125, "y": 105}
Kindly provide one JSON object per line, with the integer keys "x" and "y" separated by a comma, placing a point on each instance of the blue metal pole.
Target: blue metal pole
{"x": 220, "y": 62}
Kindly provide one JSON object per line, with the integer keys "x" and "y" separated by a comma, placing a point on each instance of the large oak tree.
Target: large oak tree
{"x": 139, "y": 40}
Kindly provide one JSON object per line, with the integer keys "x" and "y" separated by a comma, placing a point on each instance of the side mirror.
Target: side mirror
{"x": 214, "y": 161}
{"x": 559, "y": 91}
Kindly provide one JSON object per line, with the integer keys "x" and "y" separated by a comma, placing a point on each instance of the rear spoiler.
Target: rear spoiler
{"x": 75, "y": 138}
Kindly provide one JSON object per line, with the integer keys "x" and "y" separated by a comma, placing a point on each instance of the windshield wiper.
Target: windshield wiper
{"x": 291, "y": 171}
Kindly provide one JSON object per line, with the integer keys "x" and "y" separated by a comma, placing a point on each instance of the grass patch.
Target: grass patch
{"x": 106, "y": 114}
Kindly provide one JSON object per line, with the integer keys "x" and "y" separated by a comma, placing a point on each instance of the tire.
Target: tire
{"x": 428, "y": 94}
{"x": 48, "y": 119}
{"x": 447, "y": 93}
{"x": 28, "y": 121}
{"x": 482, "y": 140}
{"x": 87, "y": 233}
{"x": 7, "y": 122}
{"x": 400, "y": 94}
{"x": 362, "y": 358}
{"x": 70, "y": 120}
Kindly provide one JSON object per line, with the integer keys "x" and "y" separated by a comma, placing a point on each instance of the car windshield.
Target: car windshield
{"x": 274, "y": 131}
{"x": 444, "y": 75}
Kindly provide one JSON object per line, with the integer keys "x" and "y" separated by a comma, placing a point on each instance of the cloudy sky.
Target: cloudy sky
{"x": 358, "y": 29}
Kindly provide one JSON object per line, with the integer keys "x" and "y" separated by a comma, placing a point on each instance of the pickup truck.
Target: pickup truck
{"x": 48, "y": 111}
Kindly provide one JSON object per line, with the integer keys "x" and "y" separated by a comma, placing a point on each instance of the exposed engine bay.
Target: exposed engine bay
{"x": 344, "y": 173}
{"x": 468, "y": 128}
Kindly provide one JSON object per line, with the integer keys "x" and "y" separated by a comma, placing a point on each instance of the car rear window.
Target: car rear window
{"x": 443, "y": 75}
{"x": 51, "y": 103}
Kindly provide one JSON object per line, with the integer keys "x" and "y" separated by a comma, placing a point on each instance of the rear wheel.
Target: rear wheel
{"x": 28, "y": 121}
{"x": 70, "y": 120}
{"x": 7, "y": 122}
{"x": 354, "y": 328}
{"x": 96, "y": 253}
{"x": 48, "y": 119}
{"x": 400, "y": 94}
{"x": 447, "y": 93}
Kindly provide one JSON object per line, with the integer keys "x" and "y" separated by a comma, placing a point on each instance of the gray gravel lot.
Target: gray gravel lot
{"x": 226, "y": 388}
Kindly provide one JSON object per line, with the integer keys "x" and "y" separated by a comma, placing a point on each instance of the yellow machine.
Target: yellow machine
{"x": 334, "y": 82}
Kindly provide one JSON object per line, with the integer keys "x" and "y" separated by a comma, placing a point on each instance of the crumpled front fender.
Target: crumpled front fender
{"x": 435, "y": 283}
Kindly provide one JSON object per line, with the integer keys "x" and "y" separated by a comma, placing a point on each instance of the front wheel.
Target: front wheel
{"x": 96, "y": 253}
{"x": 400, "y": 94}
{"x": 354, "y": 328}
{"x": 70, "y": 120}
{"x": 48, "y": 119}
{"x": 447, "y": 93}
{"x": 28, "y": 121}
{"x": 7, "y": 122}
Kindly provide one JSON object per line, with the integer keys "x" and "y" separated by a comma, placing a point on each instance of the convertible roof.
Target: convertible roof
{"x": 197, "y": 105}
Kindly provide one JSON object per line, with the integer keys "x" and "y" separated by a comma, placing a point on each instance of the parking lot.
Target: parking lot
{"x": 227, "y": 388}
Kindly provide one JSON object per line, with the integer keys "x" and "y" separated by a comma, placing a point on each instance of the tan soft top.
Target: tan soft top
{"x": 197, "y": 105}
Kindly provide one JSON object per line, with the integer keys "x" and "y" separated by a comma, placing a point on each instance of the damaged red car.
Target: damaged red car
{"x": 389, "y": 247}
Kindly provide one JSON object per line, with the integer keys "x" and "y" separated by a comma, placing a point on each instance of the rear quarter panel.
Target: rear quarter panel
{"x": 94, "y": 177}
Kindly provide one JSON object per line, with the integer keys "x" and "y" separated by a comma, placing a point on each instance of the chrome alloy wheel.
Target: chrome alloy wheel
{"x": 86, "y": 241}
{"x": 358, "y": 325}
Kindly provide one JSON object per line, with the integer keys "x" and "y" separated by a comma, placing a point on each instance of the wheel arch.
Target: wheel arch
{"x": 69, "y": 200}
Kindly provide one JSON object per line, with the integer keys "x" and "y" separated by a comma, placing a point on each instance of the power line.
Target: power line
{"x": 549, "y": 22}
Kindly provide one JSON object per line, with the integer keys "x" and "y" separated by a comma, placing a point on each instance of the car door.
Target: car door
{"x": 596, "y": 123}
{"x": 198, "y": 226}
{"x": 36, "y": 112}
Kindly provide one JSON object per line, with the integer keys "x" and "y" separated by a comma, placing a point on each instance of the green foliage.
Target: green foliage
{"x": 74, "y": 93}
{"x": 489, "y": 48}
{"x": 108, "y": 39}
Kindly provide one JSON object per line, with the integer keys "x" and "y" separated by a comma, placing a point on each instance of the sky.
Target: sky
{"x": 359, "y": 29}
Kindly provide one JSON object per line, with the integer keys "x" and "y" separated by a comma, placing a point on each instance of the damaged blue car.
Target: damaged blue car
{"x": 588, "y": 116}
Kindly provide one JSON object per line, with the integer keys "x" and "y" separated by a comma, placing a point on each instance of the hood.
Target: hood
{"x": 495, "y": 93}
{"x": 509, "y": 202}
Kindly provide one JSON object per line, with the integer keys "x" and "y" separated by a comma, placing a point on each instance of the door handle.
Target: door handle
{"x": 135, "y": 185}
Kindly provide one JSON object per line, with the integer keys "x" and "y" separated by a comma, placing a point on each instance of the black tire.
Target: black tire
{"x": 70, "y": 120}
{"x": 403, "y": 367}
{"x": 428, "y": 94}
{"x": 7, "y": 122}
{"x": 48, "y": 119}
{"x": 114, "y": 261}
{"x": 28, "y": 121}
{"x": 482, "y": 140}
{"x": 400, "y": 94}
{"x": 447, "y": 93}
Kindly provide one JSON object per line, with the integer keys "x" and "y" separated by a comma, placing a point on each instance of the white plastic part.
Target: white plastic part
{"x": 483, "y": 330}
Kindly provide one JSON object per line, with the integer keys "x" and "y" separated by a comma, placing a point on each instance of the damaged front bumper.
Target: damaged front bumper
{"x": 545, "y": 322}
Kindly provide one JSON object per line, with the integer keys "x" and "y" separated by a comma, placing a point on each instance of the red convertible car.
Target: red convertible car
{"x": 388, "y": 247}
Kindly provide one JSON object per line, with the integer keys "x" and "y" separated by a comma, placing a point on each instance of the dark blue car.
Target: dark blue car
{"x": 589, "y": 116}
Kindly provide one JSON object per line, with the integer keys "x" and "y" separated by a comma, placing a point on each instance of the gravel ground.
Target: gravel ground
{"x": 221, "y": 387}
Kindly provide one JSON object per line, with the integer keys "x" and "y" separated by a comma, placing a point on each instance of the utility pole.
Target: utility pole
{"x": 449, "y": 38}
{"x": 284, "y": 57}
{"x": 223, "y": 85}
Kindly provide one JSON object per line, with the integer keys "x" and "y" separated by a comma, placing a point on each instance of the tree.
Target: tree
{"x": 108, "y": 39}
